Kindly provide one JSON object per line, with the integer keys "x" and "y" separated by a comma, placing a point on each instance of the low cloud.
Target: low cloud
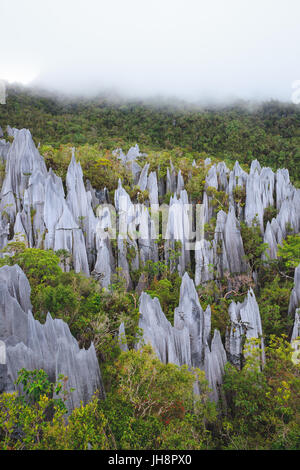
{"x": 195, "y": 50}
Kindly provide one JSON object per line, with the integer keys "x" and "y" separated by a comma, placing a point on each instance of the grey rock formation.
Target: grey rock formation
{"x": 295, "y": 294}
{"x": 179, "y": 229}
{"x": 126, "y": 231}
{"x": 49, "y": 346}
{"x": 245, "y": 324}
{"x": 169, "y": 343}
{"x": 211, "y": 179}
{"x": 133, "y": 153}
{"x": 234, "y": 244}
{"x": 143, "y": 180}
{"x": 129, "y": 160}
{"x": 95, "y": 200}
{"x": 270, "y": 239}
{"x": 23, "y": 159}
{"x": 4, "y": 233}
{"x": 284, "y": 187}
{"x": 188, "y": 341}
{"x": 4, "y": 149}
{"x": 80, "y": 204}
{"x": 259, "y": 189}
{"x": 180, "y": 183}
{"x": 296, "y": 327}
{"x": 122, "y": 338}
{"x": 224, "y": 253}
{"x": 237, "y": 178}
{"x": 214, "y": 363}
{"x": 152, "y": 188}
{"x": 204, "y": 262}
{"x": 171, "y": 182}
{"x": 189, "y": 314}
{"x": 295, "y": 339}
{"x": 222, "y": 172}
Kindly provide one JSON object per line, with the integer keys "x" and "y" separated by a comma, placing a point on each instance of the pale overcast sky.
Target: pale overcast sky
{"x": 192, "y": 49}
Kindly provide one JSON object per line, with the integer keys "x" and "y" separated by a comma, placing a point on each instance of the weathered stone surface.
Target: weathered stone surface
{"x": 80, "y": 204}
{"x": 180, "y": 183}
{"x": 95, "y": 201}
{"x": 104, "y": 266}
{"x": 245, "y": 323}
{"x": 254, "y": 207}
{"x": 295, "y": 294}
{"x": 4, "y": 149}
{"x": 188, "y": 341}
{"x": 4, "y": 233}
{"x": 234, "y": 244}
{"x": 19, "y": 230}
{"x": 169, "y": 343}
{"x": 224, "y": 254}
{"x": 214, "y": 363}
{"x": 189, "y": 314}
{"x": 171, "y": 182}
{"x": 270, "y": 239}
{"x": 204, "y": 258}
{"x": 122, "y": 338}
{"x": 143, "y": 180}
{"x": 222, "y": 173}
{"x": 49, "y": 346}
{"x": 237, "y": 178}
{"x": 152, "y": 188}
{"x": 23, "y": 159}
{"x": 179, "y": 229}
{"x": 211, "y": 179}
{"x": 127, "y": 231}
{"x": 296, "y": 327}
{"x": 133, "y": 153}
{"x": 295, "y": 339}
{"x": 284, "y": 187}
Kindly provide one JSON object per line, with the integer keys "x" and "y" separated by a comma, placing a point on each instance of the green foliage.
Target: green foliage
{"x": 270, "y": 133}
{"x": 35, "y": 383}
{"x": 195, "y": 183}
{"x": 30, "y": 426}
{"x": 219, "y": 198}
{"x": 239, "y": 195}
{"x": 273, "y": 305}
{"x": 253, "y": 244}
{"x": 289, "y": 251}
{"x": 149, "y": 401}
{"x": 167, "y": 293}
{"x": 67, "y": 295}
{"x": 269, "y": 213}
{"x": 40, "y": 266}
{"x": 263, "y": 406}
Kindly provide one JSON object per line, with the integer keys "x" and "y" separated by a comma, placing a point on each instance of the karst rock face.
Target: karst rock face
{"x": 25, "y": 342}
{"x": 36, "y": 207}
{"x": 296, "y": 327}
{"x": 245, "y": 324}
{"x": 295, "y": 294}
{"x": 189, "y": 340}
{"x": 294, "y": 312}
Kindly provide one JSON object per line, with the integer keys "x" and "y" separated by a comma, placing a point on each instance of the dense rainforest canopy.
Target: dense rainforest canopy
{"x": 269, "y": 132}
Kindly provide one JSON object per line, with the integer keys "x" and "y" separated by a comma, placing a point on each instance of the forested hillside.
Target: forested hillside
{"x": 269, "y": 132}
